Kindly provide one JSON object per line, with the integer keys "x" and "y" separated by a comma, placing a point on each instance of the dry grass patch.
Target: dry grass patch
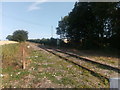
{"x": 7, "y": 42}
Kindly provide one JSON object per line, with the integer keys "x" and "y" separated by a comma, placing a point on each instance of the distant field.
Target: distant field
{"x": 7, "y": 42}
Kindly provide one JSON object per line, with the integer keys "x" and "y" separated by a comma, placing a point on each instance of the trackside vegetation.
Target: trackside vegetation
{"x": 47, "y": 71}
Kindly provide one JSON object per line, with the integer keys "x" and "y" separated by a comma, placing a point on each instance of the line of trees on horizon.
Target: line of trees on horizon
{"x": 92, "y": 25}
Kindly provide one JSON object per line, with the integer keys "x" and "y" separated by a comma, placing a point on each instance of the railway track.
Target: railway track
{"x": 99, "y": 75}
{"x": 91, "y": 61}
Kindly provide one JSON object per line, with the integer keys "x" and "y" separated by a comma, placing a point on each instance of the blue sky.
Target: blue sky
{"x": 35, "y": 17}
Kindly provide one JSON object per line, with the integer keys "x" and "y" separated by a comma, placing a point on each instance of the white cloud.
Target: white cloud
{"x": 35, "y": 5}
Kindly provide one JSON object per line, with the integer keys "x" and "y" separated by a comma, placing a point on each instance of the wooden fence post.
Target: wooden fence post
{"x": 23, "y": 58}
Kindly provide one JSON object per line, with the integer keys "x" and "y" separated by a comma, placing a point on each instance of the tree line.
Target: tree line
{"x": 92, "y": 25}
{"x": 44, "y": 41}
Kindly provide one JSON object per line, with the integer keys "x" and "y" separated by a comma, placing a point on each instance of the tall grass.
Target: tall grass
{"x": 12, "y": 63}
{"x": 9, "y": 54}
{"x": 12, "y": 54}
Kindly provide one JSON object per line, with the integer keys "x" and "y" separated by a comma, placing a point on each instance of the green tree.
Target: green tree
{"x": 9, "y": 37}
{"x": 63, "y": 27}
{"x": 92, "y": 24}
{"x": 20, "y": 35}
{"x": 115, "y": 37}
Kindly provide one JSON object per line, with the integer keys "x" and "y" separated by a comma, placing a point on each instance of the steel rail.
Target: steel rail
{"x": 99, "y": 75}
{"x": 89, "y": 60}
